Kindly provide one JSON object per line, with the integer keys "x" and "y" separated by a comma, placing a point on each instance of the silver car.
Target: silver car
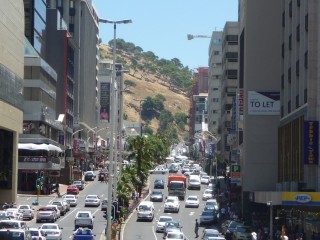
{"x": 47, "y": 214}
{"x": 71, "y": 199}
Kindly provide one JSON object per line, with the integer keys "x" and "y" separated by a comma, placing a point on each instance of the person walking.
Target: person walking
{"x": 196, "y": 228}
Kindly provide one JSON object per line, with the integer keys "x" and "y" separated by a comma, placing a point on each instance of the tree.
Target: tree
{"x": 180, "y": 117}
{"x": 164, "y": 119}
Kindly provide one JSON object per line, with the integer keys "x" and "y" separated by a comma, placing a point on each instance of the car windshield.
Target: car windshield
{"x": 156, "y": 193}
{"x": 192, "y": 198}
{"x": 77, "y": 182}
{"x": 23, "y": 207}
{"x": 9, "y": 225}
{"x": 165, "y": 219}
{"x": 243, "y": 229}
{"x": 205, "y": 177}
{"x": 208, "y": 191}
{"x": 69, "y": 197}
{"x": 84, "y": 215}
{"x": 83, "y": 232}
{"x": 234, "y": 224}
{"x": 172, "y": 225}
{"x": 92, "y": 197}
{"x": 12, "y": 235}
{"x": 35, "y": 233}
{"x": 144, "y": 208}
{"x": 176, "y": 185}
{"x": 207, "y": 213}
{"x": 170, "y": 200}
{"x": 49, "y": 227}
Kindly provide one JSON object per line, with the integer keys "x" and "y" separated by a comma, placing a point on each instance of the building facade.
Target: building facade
{"x": 11, "y": 94}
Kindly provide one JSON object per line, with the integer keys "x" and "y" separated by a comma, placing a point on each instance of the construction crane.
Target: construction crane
{"x": 190, "y": 36}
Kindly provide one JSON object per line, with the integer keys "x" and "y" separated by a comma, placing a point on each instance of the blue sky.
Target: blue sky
{"x": 162, "y": 26}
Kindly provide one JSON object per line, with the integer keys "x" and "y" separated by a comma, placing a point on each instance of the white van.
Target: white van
{"x": 145, "y": 211}
{"x": 194, "y": 182}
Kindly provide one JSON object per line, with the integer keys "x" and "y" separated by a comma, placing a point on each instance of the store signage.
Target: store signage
{"x": 311, "y": 140}
{"x": 33, "y": 159}
{"x": 303, "y": 198}
{"x": 235, "y": 174}
{"x": 263, "y": 103}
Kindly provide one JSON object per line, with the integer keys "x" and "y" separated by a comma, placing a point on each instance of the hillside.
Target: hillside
{"x": 150, "y": 85}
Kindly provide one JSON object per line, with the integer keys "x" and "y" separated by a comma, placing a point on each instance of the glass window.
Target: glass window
{"x": 39, "y": 25}
{"x": 40, "y": 7}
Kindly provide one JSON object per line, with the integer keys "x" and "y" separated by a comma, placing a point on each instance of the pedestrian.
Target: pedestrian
{"x": 58, "y": 190}
{"x": 196, "y": 228}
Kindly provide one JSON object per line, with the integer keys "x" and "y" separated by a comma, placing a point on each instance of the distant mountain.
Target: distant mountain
{"x": 146, "y": 79}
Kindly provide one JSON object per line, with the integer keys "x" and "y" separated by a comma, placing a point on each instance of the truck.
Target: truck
{"x": 177, "y": 185}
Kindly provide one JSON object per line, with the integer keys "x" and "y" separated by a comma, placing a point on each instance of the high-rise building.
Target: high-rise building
{"x": 11, "y": 94}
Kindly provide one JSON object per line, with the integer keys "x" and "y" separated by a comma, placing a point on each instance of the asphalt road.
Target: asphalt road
{"x": 67, "y": 221}
{"x": 146, "y": 230}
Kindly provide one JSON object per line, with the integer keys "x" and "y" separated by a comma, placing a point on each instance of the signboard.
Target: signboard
{"x": 235, "y": 174}
{"x": 33, "y": 159}
{"x": 241, "y": 101}
{"x": 212, "y": 149}
{"x": 104, "y": 101}
{"x": 263, "y": 103}
{"x": 311, "y": 142}
{"x": 301, "y": 198}
{"x": 75, "y": 146}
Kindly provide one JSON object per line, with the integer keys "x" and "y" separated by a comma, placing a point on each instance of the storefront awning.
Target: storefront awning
{"x": 32, "y": 146}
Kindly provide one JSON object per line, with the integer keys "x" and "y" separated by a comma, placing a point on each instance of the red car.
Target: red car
{"x": 72, "y": 189}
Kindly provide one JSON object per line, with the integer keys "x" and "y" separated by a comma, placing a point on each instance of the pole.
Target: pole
{"x": 112, "y": 127}
{"x": 120, "y": 128}
{"x": 271, "y": 222}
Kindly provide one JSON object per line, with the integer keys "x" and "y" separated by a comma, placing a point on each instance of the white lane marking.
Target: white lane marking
{"x": 154, "y": 233}
{"x": 191, "y": 213}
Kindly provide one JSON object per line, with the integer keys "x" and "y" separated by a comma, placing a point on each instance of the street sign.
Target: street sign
{"x": 235, "y": 174}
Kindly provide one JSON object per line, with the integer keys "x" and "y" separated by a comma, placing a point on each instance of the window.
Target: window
{"x": 290, "y": 42}
{"x": 298, "y": 33}
{"x": 282, "y": 50}
{"x": 298, "y": 3}
{"x": 289, "y": 106}
{"x": 214, "y": 111}
{"x": 306, "y": 60}
{"x": 289, "y": 75}
{"x": 290, "y": 9}
{"x": 306, "y": 19}
{"x": 297, "y": 101}
{"x": 297, "y": 68}
{"x": 282, "y": 81}
{"x": 305, "y": 97}
{"x": 281, "y": 111}
{"x": 283, "y": 19}
{"x": 216, "y": 53}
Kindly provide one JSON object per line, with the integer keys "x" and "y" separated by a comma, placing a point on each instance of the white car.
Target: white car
{"x": 52, "y": 230}
{"x": 192, "y": 201}
{"x": 205, "y": 179}
{"x": 171, "y": 204}
{"x": 207, "y": 194}
{"x": 161, "y": 222}
{"x": 55, "y": 207}
{"x": 92, "y": 200}
{"x": 37, "y": 234}
{"x": 175, "y": 235}
{"x": 71, "y": 199}
{"x": 27, "y": 211}
{"x": 13, "y": 213}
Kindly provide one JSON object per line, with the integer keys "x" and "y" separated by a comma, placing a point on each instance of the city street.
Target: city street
{"x": 67, "y": 221}
{"x": 146, "y": 230}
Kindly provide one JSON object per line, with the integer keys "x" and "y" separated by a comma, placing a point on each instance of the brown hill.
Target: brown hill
{"x": 176, "y": 101}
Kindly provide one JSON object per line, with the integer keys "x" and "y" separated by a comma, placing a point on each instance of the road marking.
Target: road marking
{"x": 154, "y": 233}
{"x": 191, "y": 213}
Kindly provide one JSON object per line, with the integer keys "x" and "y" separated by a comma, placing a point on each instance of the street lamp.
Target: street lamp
{"x": 71, "y": 155}
{"x": 113, "y": 120}
{"x": 269, "y": 203}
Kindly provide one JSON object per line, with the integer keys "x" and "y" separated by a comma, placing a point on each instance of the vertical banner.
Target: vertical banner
{"x": 75, "y": 146}
{"x": 212, "y": 149}
{"x": 104, "y": 101}
{"x": 311, "y": 142}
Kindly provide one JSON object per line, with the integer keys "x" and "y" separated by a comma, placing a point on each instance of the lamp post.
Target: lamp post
{"x": 269, "y": 203}
{"x": 71, "y": 155}
{"x": 113, "y": 120}
{"x": 140, "y": 101}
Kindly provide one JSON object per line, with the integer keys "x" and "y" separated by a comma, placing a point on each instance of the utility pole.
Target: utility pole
{"x": 140, "y": 102}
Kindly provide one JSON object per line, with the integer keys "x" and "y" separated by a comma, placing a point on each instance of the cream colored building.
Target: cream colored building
{"x": 11, "y": 94}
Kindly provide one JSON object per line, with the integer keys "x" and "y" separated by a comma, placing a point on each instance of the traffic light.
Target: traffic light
{"x": 118, "y": 69}
{"x": 116, "y": 213}
{"x": 41, "y": 175}
{"x": 38, "y": 183}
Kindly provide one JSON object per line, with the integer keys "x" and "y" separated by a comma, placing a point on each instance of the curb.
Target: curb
{"x": 130, "y": 215}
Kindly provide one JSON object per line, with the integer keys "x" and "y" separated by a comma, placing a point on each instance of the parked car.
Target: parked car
{"x": 4, "y": 216}
{"x": 83, "y": 234}
{"x": 79, "y": 184}
{"x": 158, "y": 183}
{"x": 47, "y": 214}
{"x": 192, "y": 201}
{"x": 37, "y": 234}
{"x": 156, "y": 196}
{"x": 27, "y": 211}
{"x": 72, "y": 189}
{"x": 52, "y": 230}
{"x": 205, "y": 179}
{"x": 228, "y": 231}
{"x": 242, "y": 232}
{"x": 71, "y": 199}
{"x": 211, "y": 204}
{"x": 161, "y": 222}
{"x": 158, "y": 170}
{"x": 92, "y": 200}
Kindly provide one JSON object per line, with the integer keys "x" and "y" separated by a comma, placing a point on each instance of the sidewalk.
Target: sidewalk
{"x": 62, "y": 188}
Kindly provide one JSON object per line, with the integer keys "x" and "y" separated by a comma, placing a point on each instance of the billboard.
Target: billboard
{"x": 104, "y": 101}
{"x": 263, "y": 103}
{"x": 311, "y": 140}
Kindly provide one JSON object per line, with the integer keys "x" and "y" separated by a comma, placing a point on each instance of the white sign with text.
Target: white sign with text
{"x": 263, "y": 103}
